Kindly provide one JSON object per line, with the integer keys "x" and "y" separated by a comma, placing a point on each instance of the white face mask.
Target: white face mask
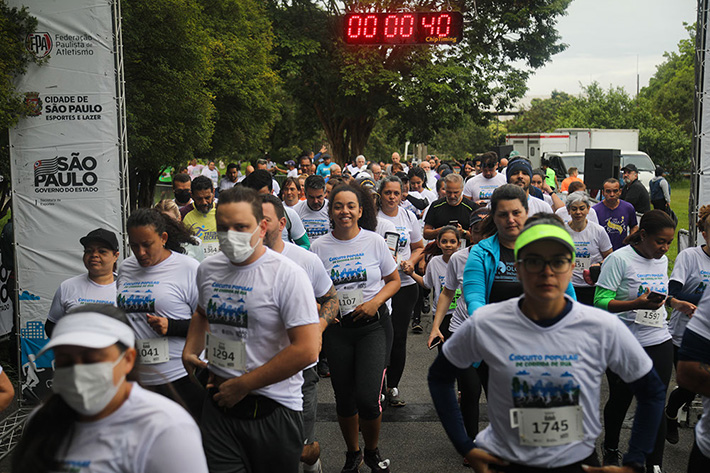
{"x": 87, "y": 388}
{"x": 237, "y": 245}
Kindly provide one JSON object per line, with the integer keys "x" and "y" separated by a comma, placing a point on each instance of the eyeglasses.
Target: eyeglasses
{"x": 537, "y": 265}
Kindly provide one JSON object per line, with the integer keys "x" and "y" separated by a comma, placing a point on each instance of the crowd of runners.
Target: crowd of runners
{"x": 202, "y": 350}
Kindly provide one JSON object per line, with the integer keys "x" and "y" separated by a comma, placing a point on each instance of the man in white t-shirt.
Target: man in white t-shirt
{"x": 212, "y": 172}
{"x": 258, "y": 322}
{"x": 314, "y": 210}
{"x": 231, "y": 177}
{"x": 480, "y": 187}
{"x": 327, "y": 299}
{"x": 519, "y": 172}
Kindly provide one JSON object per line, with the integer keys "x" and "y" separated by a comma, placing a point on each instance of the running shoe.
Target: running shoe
{"x": 393, "y": 398}
{"x": 417, "y": 326}
{"x": 426, "y": 306}
{"x": 317, "y": 467}
{"x": 375, "y": 461}
{"x": 672, "y": 430}
{"x": 353, "y": 462}
{"x": 612, "y": 457}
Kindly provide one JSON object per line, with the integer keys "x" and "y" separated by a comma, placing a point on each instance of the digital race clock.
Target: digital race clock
{"x": 404, "y": 28}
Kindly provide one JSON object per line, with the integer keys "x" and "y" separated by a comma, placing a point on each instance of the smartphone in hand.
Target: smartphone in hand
{"x": 436, "y": 343}
{"x": 656, "y": 297}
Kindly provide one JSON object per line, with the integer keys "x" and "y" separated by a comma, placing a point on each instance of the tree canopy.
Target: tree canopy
{"x": 422, "y": 88}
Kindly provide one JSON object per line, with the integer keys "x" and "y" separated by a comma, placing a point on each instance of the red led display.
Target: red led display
{"x": 403, "y": 28}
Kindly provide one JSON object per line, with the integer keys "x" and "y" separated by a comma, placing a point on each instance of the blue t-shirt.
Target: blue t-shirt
{"x": 617, "y": 222}
{"x": 324, "y": 169}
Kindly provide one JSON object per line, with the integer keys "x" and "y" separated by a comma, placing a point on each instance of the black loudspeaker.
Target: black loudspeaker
{"x": 600, "y": 165}
{"x": 503, "y": 151}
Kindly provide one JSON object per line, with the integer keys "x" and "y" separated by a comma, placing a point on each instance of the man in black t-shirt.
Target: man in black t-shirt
{"x": 634, "y": 191}
{"x": 454, "y": 209}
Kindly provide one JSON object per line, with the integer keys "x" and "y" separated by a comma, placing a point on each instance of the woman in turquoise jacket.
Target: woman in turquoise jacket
{"x": 490, "y": 275}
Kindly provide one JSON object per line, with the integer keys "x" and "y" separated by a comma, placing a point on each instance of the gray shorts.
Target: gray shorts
{"x": 310, "y": 404}
{"x": 272, "y": 443}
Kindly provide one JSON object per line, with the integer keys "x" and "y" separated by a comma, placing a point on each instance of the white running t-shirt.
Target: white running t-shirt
{"x": 80, "y": 290}
{"x": 168, "y": 290}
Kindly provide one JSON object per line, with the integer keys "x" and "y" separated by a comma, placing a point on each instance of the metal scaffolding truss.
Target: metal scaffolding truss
{"x": 11, "y": 430}
{"x": 121, "y": 109}
{"x": 699, "y": 128}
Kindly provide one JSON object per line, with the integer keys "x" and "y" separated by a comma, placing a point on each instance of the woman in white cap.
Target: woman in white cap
{"x": 97, "y": 420}
{"x": 98, "y": 285}
{"x": 547, "y": 354}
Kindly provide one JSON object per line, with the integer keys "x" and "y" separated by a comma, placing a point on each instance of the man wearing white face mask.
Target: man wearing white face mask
{"x": 257, "y": 320}
{"x": 97, "y": 420}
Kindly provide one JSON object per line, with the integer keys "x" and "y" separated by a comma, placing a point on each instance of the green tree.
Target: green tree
{"x": 422, "y": 88}
{"x": 169, "y": 108}
{"x": 671, "y": 88}
{"x": 15, "y": 25}
{"x": 464, "y": 141}
{"x": 542, "y": 116}
{"x": 243, "y": 82}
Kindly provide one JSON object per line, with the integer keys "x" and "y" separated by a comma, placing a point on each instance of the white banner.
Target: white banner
{"x": 703, "y": 197}
{"x": 65, "y": 158}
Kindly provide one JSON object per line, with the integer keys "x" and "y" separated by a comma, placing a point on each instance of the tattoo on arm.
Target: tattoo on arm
{"x": 329, "y": 305}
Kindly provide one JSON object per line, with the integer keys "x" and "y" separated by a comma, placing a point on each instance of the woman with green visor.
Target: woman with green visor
{"x": 547, "y": 354}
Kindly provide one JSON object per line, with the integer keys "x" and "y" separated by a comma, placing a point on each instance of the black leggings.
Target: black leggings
{"x": 679, "y": 396}
{"x": 402, "y": 306}
{"x": 356, "y": 356}
{"x": 698, "y": 463}
{"x": 620, "y": 397}
{"x": 470, "y": 383}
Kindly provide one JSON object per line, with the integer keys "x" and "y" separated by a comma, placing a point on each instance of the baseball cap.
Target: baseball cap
{"x": 101, "y": 235}
{"x": 544, "y": 232}
{"x": 477, "y": 215}
{"x": 290, "y": 162}
{"x": 630, "y": 167}
{"x": 89, "y": 330}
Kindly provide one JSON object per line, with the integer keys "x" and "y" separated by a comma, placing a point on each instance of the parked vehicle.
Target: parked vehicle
{"x": 643, "y": 162}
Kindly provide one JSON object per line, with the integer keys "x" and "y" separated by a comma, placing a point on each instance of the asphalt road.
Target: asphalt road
{"x": 412, "y": 437}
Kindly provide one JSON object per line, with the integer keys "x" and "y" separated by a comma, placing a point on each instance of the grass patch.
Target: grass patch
{"x": 680, "y": 196}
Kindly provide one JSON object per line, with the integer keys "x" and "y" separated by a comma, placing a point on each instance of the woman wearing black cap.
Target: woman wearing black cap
{"x": 97, "y": 286}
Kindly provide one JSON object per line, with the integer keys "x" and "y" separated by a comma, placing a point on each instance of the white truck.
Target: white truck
{"x": 583, "y": 138}
{"x": 534, "y": 145}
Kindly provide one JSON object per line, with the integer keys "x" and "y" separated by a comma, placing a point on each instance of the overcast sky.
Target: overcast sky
{"x": 605, "y": 37}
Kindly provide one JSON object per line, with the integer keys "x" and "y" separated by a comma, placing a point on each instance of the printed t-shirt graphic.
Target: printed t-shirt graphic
{"x": 316, "y": 222}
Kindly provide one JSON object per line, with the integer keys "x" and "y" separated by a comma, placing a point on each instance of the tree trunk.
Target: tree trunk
{"x": 143, "y": 188}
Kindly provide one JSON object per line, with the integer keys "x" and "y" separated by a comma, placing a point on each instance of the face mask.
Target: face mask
{"x": 236, "y": 245}
{"x": 183, "y": 195}
{"x": 87, "y": 388}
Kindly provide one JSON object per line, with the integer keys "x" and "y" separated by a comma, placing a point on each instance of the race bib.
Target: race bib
{"x": 153, "y": 350}
{"x": 651, "y": 318}
{"x": 349, "y": 299}
{"x": 210, "y": 248}
{"x": 583, "y": 263}
{"x": 227, "y": 354}
{"x": 548, "y": 427}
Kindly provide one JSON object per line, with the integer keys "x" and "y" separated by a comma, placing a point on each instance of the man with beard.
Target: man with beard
{"x": 314, "y": 210}
{"x": 328, "y": 305}
{"x": 519, "y": 172}
{"x": 201, "y": 219}
{"x": 230, "y": 177}
{"x": 634, "y": 191}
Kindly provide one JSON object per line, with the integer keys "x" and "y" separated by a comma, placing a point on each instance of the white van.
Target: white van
{"x": 643, "y": 163}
